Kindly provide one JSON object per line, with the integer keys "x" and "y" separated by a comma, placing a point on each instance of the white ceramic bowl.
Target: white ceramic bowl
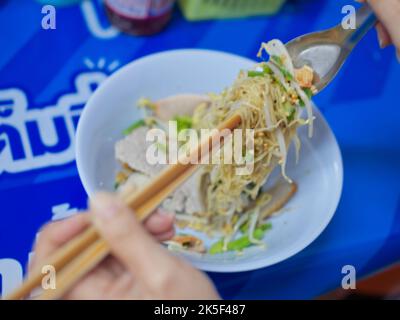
{"x": 112, "y": 108}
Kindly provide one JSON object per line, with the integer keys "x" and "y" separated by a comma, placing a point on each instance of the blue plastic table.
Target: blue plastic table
{"x": 47, "y": 75}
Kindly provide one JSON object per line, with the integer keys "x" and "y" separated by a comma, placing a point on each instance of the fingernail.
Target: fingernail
{"x": 380, "y": 37}
{"x": 105, "y": 206}
{"x": 380, "y": 40}
{"x": 167, "y": 214}
{"x": 170, "y": 215}
{"x": 164, "y": 212}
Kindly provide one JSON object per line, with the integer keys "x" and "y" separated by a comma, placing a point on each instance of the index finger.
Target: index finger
{"x": 129, "y": 241}
{"x": 388, "y": 12}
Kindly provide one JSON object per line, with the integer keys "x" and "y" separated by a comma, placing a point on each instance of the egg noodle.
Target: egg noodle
{"x": 270, "y": 99}
{"x": 273, "y": 101}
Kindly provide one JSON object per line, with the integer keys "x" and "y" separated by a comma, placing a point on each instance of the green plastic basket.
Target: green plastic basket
{"x": 220, "y": 9}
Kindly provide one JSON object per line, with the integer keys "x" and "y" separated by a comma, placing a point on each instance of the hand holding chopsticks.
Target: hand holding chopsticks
{"x": 138, "y": 266}
{"x": 83, "y": 253}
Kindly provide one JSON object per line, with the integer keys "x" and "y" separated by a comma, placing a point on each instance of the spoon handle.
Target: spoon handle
{"x": 365, "y": 20}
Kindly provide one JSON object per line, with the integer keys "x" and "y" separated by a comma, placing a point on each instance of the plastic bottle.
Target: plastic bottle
{"x": 139, "y": 17}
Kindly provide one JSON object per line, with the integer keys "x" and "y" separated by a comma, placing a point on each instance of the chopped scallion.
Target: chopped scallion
{"x": 133, "y": 126}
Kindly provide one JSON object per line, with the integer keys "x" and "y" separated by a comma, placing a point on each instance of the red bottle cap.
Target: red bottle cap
{"x": 139, "y": 17}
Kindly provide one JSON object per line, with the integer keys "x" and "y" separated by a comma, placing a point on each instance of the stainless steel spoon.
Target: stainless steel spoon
{"x": 326, "y": 51}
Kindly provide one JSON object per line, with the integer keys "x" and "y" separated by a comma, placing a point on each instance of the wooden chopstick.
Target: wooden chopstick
{"x": 59, "y": 259}
{"x": 87, "y": 249}
{"x": 76, "y": 269}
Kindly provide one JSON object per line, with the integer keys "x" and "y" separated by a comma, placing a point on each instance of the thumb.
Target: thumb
{"x": 128, "y": 240}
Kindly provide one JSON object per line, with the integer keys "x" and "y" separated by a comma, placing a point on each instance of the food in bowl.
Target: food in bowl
{"x": 270, "y": 98}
